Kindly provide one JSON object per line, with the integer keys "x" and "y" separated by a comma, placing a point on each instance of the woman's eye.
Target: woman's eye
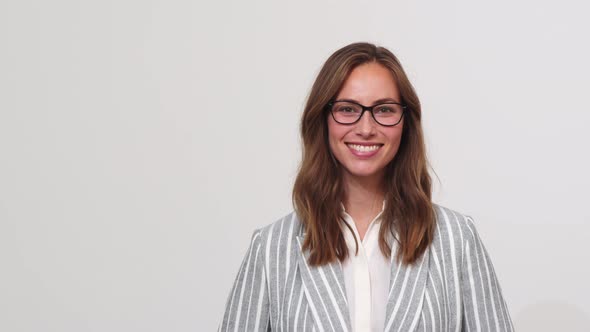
{"x": 385, "y": 110}
{"x": 347, "y": 109}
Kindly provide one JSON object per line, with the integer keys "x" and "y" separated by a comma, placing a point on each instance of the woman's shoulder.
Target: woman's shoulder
{"x": 281, "y": 232}
{"x": 454, "y": 230}
{"x": 450, "y": 220}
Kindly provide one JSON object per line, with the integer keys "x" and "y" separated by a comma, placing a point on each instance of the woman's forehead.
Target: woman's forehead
{"x": 368, "y": 83}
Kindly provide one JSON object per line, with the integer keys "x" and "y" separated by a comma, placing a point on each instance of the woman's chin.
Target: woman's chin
{"x": 363, "y": 173}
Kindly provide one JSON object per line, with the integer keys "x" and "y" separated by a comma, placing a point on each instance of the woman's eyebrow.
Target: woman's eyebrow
{"x": 385, "y": 100}
{"x": 376, "y": 102}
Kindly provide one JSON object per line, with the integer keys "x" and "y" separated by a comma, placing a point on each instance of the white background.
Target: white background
{"x": 141, "y": 143}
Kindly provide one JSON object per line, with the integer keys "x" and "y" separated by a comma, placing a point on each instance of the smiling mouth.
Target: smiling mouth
{"x": 364, "y": 148}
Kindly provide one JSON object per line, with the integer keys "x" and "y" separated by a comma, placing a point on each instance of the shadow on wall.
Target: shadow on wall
{"x": 552, "y": 316}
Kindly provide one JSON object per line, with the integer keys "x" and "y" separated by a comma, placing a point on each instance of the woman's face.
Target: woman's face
{"x": 368, "y": 84}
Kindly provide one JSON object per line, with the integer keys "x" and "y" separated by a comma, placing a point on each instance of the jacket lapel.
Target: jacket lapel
{"x": 325, "y": 293}
{"x": 406, "y": 293}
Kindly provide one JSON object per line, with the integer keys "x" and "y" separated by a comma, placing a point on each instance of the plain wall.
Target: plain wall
{"x": 142, "y": 142}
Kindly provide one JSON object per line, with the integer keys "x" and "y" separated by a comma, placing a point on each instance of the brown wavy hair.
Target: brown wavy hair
{"x": 319, "y": 189}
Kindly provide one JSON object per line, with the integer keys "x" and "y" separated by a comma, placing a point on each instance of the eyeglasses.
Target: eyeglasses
{"x": 347, "y": 112}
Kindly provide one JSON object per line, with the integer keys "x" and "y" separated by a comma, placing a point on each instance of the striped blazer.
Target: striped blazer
{"x": 452, "y": 287}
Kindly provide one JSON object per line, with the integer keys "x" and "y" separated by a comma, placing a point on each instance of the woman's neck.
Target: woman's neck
{"x": 363, "y": 201}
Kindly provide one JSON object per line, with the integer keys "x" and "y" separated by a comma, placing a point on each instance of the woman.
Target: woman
{"x": 365, "y": 248}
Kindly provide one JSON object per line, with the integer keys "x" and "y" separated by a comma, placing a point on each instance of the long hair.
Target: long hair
{"x": 319, "y": 189}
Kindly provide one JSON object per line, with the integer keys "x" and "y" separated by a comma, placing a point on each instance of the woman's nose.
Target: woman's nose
{"x": 366, "y": 125}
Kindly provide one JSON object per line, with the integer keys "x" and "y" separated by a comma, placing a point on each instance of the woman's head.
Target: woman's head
{"x": 376, "y": 73}
{"x": 362, "y": 73}
{"x": 364, "y": 143}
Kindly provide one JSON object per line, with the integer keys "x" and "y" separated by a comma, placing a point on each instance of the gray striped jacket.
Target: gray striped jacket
{"x": 452, "y": 287}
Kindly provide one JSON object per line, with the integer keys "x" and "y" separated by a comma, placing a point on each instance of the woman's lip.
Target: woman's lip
{"x": 363, "y": 143}
{"x": 364, "y": 154}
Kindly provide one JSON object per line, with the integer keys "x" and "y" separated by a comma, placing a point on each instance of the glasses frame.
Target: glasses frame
{"x": 330, "y": 107}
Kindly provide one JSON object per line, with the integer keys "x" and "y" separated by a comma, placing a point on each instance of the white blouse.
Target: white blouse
{"x": 366, "y": 276}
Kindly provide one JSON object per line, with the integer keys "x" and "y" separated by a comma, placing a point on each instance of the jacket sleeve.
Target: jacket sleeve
{"x": 247, "y": 307}
{"x": 484, "y": 308}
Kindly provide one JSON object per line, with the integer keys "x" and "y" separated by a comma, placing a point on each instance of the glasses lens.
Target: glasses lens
{"x": 388, "y": 114}
{"x": 345, "y": 112}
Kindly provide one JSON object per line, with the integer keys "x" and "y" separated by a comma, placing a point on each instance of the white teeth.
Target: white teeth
{"x": 364, "y": 148}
